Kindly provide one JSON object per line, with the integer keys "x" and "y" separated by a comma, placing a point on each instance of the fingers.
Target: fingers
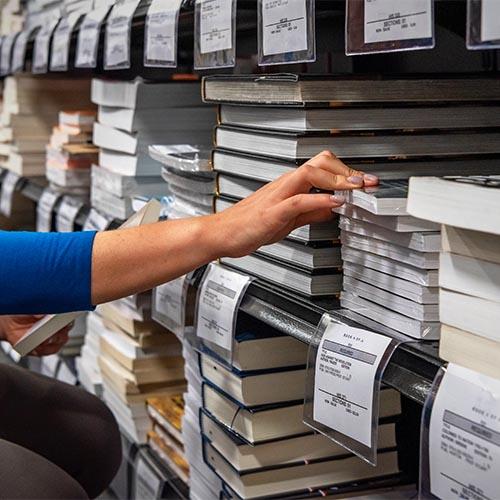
{"x": 54, "y": 344}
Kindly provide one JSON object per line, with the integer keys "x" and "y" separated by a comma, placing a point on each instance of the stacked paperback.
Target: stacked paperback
{"x": 469, "y": 272}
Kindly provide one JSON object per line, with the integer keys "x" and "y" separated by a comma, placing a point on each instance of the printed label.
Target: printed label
{"x": 147, "y": 483}
{"x": 7, "y": 43}
{"x": 216, "y": 25}
{"x": 67, "y": 214}
{"x": 170, "y": 303}
{"x": 19, "y": 52}
{"x": 45, "y": 209}
{"x": 490, "y": 20}
{"x": 9, "y": 184}
{"x": 96, "y": 221}
{"x": 61, "y": 41}
{"x": 41, "y": 48}
{"x": 88, "y": 38}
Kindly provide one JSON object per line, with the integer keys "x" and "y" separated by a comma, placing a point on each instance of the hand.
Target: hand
{"x": 275, "y": 210}
{"x": 14, "y": 327}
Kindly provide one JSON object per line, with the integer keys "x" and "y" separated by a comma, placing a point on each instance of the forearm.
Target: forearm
{"x": 129, "y": 261}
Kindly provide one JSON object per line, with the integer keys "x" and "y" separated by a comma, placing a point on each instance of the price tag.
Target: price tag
{"x": 117, "y": 44}
{"x": 216, "y": 25}
{"x": 61, "y": 41}
{"x": 490, "y": 20}
{"x": 6, "y": 52}
{"x": 41, "y": 47}
{"x": 67, "y": 214}
{"x": 19, "y": 51}
{"x": 96, "y": 221}
{"x": 9, "y": 184}
{"x": 147, "y": 483}
{"x": 389, "y": 20}
{"x": 219, "y": 298}
{"x": 169, "y": 304}
{"x": 44, "y": 210}
{"x": 464, "y": 436}
{"x": 284, "y": 26}
{"x": 161, "y": 33}
{"x": 88, "y": 38}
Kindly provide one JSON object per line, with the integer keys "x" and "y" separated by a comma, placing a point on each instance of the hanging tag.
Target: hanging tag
{"x": 45, "y": 209}
{"x": 6, "y": 53}
{"x": 117, "y": 41}
{"x": 169, "y": 305}
{"x": 344, "y": 375}
{"x": 218, "y": 301}
{"x": 96, "y": 221}
{"x": 67, "y": 214}
{"x": 61, "y": 41}
{"x": 19, "y": 51}
{"x": 147, "y": 484}
{"x": 9, "y": 184}
{"x": 88, "y": 38}
{"x": 286, "y": 31}
{"x": 160, "y": 37}
{"x": 483, "y": 24}
{"x": 215, "y": 29}
{"x": 460, "y": 439}
{"x": 41, "y": 47}
{"x": 374, "y": 26}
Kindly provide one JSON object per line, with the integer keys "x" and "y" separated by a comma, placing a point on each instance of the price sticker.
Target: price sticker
{"x": 45, "y": 209}
{"x": 169, "y": 304}
{"x": 19, "y": 51}
{"x": 67, "y": 214}
{"x": 216, "y": 25}
{"x": 42, "y": 45}
{"x": 9, "y": 184}
{"x": 6, "y": 53}
{"x": 96, "y": 221}
{"x": 61, "y": 42}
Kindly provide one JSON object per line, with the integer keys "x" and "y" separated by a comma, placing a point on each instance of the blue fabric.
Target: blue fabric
{"x": 42, "y": 273}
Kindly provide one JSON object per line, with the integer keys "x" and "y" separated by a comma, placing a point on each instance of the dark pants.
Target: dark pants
{"x": 56, "y": 441}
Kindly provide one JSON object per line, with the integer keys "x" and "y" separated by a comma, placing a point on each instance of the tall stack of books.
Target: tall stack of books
{"x": 138, "y": 359}
{"x": 390, "y": 262}
{"x": 133, "y": 116}
{"x": 393, "y": 128}
{"x": 469, "y": 271}
{"x": 30, "y": 108}
{"x": 70, "y": 154}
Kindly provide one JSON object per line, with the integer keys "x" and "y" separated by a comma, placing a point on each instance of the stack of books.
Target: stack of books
{"x": 393, "y": 128}
{"x": 251, "y": 421}
{"x": 70, "y": 154}
{"x": 132, "y": 116}
{"x": 165, "y": 437}
{"x": 138, "y": 359}
{"x": 469, "y": 271}
{"x": 390, "y": 261}
{"x": 30, "y": 108}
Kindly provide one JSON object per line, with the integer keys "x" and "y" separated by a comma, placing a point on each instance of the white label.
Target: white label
{"x": 117, "y": 46}
{"x": 19, "y": 52}
{"x": 6, "y": 53}
{"x": 464, "y": 436}
{"x": 64, "y": 374}
{"x": 88, "y": 38}
{"x": 161, "y": 31}
{"x": 490, "y": 20}
{"x": 96, "y": 221}
{"x": 170, "y": 303}
{"x": 216, "y": 25}
{"x": 9, "y": 184}
{"x": 44, "y": 210}
{"x": 147, "y": 483}
{"x": 346, "y": 365}
{"x": 389, "y": 20}
{"x": 284, "y": 26}
{"x": 67, "y": 214}
{"x": 218, "y": 301}
{"x": 41, "y": 48}
{"x": 61, "y": 41}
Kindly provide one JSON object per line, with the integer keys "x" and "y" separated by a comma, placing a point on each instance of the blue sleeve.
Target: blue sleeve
{"x": 42, "y": 273}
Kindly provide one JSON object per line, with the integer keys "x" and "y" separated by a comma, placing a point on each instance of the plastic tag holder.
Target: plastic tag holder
{"x": 483, "y": 24}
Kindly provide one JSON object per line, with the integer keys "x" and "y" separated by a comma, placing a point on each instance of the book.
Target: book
{"x": 126, "y": 164}
{"x": 300, "y": 90}
{"x": 168, "y": 454}
{"x": 237, "y": 187}
{"x": 441, "y": 201}
{"x": 81, "y": 119}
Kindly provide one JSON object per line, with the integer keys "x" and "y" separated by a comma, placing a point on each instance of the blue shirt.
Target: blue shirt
{"x": 42, "y": 273}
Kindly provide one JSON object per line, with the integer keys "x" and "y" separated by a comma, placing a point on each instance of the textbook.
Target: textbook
{"x": 50, "y": 325}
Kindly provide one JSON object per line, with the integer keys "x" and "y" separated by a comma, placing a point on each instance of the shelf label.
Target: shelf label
{"x": 61, "y": 42}
{"x": 19, "y": 51}
{"x": 147, "y": 483}
{"x": 216, "y": 25}
{"x": 44, "y": 210}
{"x": 284, "y": 26}
{"x": 67, "y": 214}
{"x": 117, "y": 43}
{"x": 464, "y": 436}
{"x": 9, "y": 184}
{"x": 6, "y": 52}
{"x": 391, "y": 20}
{"x": 41, "y": 47}
{"x": 219, "y": 298}
{"x": 490, "y": 20}
{"x": 96, "y": 221}
{"x": 161, "y": 33}
{"x": 170, "y": 304}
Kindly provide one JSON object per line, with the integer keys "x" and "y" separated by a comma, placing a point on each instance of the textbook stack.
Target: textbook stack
{"x": 70, "y": 154}
{"x": 390, "y": 262}
{"x": 138, "y": 359}
{"x": 252, "y": 422}
{"x": 132, "y": 116}
{"x": 469, "y": 272}
{"x": 30, "y": 108}
{"x": 392, "y": 128}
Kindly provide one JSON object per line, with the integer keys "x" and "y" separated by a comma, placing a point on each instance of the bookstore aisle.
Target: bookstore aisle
{"x": 355, "y": 358}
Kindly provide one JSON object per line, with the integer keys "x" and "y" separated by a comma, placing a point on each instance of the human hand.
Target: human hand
{"x": 14, "y": 327}
{"x": 272, "y": 212}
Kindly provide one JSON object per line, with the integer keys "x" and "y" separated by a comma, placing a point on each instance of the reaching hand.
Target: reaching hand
{"x": 14, "y": 327}
{"x": 272, "y": 212}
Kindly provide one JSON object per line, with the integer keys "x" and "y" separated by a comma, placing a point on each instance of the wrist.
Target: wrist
{"x": 214, "y": 237}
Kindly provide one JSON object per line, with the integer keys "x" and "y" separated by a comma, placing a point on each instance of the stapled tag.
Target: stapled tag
{"x": 67, "y": 214}
{"x": 9, "y": 184}
{"x": 96, "y": 221}
{"x": 490, "y": 20}
{"x": 464, "y": 436}
{"x": 216, "y": 25}
{"x": 88, "y": 38}
{"x": 42, "y": 45}
{"x": 44, "y": 210}
{"x": 170, "y": 304}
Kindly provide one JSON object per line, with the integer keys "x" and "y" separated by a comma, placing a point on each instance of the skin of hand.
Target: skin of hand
{"x": 132, "y": 260}
{"x": 12, "y": 328}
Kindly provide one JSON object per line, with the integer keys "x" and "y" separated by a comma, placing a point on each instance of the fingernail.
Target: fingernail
{"x": 370, "y": 178}
{"x": 355, "y": 179}
{"x": 338, "y": 199}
